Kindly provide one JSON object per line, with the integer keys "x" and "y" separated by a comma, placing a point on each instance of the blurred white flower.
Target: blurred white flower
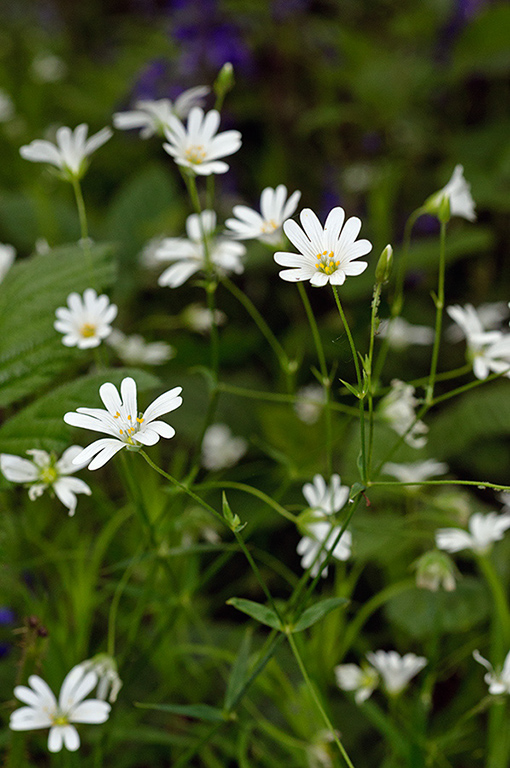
{"x": 70, "y": 152}
{"x": 220, "y": 449}
{"x": 44, "y": 471}
{"x": 7, "y": 256}
{"x": 484, "y": 530}
{"x": 487, "y": 317}
{"x": 363, "y": 680}
{"x": 108, "y": 680}
{"x": 324, "y": 499}
{"x": 310, "y": 402}
{"x": 415, "y": 472}
{"x": 134, "y": 350}
{"x": 200, "y": 319}
{"x": 401, "y": 334}
{"x": 326, "y": 255}
{"x": 199, "y": 147}
{"x": 154, "y": 116}
{"x": 6, "y": 107}
{"x": 189, "y": 255}
{"x": 275, "y": 208}
{"x": 396, "y": 670}
{"x": 397, "y": 409}
{"x": 43, "y": 710}
{"x": 48, "y": 68}
{"x": 435, "y": 569}
{"x": 121, "y": 419}
{"x": 498, "y": 682}
{"x": 85, "y": 322}
{"x": 486, "y": 350}
{"x": 458, "y": 192}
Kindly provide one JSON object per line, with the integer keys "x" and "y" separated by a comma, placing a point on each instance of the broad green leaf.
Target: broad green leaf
{"x": 257, "y": 611}
{"x": 200, "y": 711}
{"x": 239, "y": 671}
{"x": 318, "y": 611}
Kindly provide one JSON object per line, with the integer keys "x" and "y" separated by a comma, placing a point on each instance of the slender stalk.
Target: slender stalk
{"x": 84, "y": 229}
{"x": 373, "y": 322}
{"x": 478, "y": 483}
{"x": 501, "y": 633}
{"x": 277, "y": 397}
{"x": 439, "y": 301}
{"x": 254, "y": 492}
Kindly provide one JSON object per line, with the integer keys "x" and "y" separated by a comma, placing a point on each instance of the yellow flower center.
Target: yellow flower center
{"x": 196, "y": 154}
{"x": 326, "y": 262}
{"x": 60, "y": 720}
{"x": 87, "y": 330}
{"x": 269, "y": 226}
{"x": 48, "y": 475}
{"x": 130, "y": 427}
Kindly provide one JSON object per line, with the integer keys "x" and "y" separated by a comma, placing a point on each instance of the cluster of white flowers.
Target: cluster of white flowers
{"x": 397, "y": 408}
{"x": 395, "y": 670}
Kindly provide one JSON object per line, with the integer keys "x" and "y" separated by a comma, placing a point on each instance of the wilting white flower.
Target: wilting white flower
{"x": 310, "y": 401}
{"x": 44, "y": 711}
{"x": 363, "y": 680}
{"x": 484, "y": 530}
{"x": 128, "y": 427}
{"x": 415, "y": 472}
{"x": 189, "y": 254}
{"x": 6, "y": 107}
{"x": 220, "y": 449}
{"x": 319, "y": 752}
{"x": 48, "y": 68}
{"x": 435, "y": 569}
{"x": 396, "y": 670}
{"x": 401, "y": 334}
{"x": 134, "y": 350}
{"x": 200, "y": 319}
{"x": 70, "y": 152}
{"x": 326, "y": 255}
{"x": 486, "y": 350}
{"x": 7, "y": 256}
{"x": 397, "y": 408}
{"x": 321, "y": 534}
{"x": 45, "y": 471}
{"x": 458, "y": 192}
{"x": 85, "y": 322}
{"x": 108, "y": 680}
{"x": 275, "y": 208}
{"x": 498, "y": 681}
{"x": 199, "y": 147}
{"x": 154, "y": 116}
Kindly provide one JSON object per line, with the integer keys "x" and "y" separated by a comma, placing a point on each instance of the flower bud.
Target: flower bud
{"x": 435, "y": 569}
{"x": 384, "y": 265}
{"x": 439, "y": 205}
{"x": 225, "y": 81}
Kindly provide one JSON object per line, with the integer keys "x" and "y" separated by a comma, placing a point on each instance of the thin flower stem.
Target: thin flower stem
{"x": 283, "y": 398}
{"x": 84, "y": 229}
{"x": 501, "y": 630}
{"x": 318, "y": 703}
{"x": 439, "y": 301}
{"x": 114, "y": 605}
{"x": 468, "y": 386}
{"x": 478, "y": 483}
{"x": 373, "y": 322}
{"x": 361, "y": 395}
{"x": 254, "y": 492}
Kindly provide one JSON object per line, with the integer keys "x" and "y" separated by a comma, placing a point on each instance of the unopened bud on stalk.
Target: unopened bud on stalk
{"x": 225, "y": 81}
{"x": 444, "y": 210}
{"x": 439, "y": 205}
{"x": 384, "y": 265}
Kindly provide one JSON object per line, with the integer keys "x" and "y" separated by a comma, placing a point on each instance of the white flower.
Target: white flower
{"x": 321, "y": 533}
{"x": 43, "y": 710}
{"x": 363, "y": 680}
{"x": 498, "y": 682}
{"x": 435, "y": 569}
{"x": 198, "y": 147}
{"x": 121, "y": 420}
{"x": 310, "y": 401}
{"x": 415, "y": 472}
{"x": 109, "y": 682}
{"x": 200, "y": 319}
{"x": 45, "y": 471}
{"x": 70, "y": 152}
{"x": 6, "y": 107}
{"x": 401, "y": 334}
{"x": 484, "y": 530}
{"x": 189, "y": 254}
{"x": 458, "y": 192}
{"x": 134, "y": 350}
{"x": 7, "y": 256}
{"x": 85, "y": 322}
{"x": 396, "y": 670}
{"x": 48, "y": 68}
{"x": 397, "y": 408}
{"x": 220, "y": 449}
{"x": 326, "y": 255}
{"x": 154, "y": 116}
{"x": 486, "y": 350}
{"x": 266, "y": 225}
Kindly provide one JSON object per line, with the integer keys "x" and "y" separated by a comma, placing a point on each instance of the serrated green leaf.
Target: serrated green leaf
{"x": 238, "y": 674}
{"x": 317, "y": 611}
{"x": 199, "y": 711}
{"x": 257, "y": 611}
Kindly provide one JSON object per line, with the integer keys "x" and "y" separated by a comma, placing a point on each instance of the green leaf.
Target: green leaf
{"x": 41, "y": 424}
{"x": 353, "y": 390}
{"x": 199, "y": 711}
{"x": 238, "y": 675}
{"x": 318, "y": 611}
{"x": 257, "y": 611}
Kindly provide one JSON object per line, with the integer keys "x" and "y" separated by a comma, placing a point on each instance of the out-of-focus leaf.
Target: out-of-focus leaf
{"x": 318, "y": 611}
{"x": 257, "y": 611}
{"x": 238, "y": 675}
{"x": 199, "y": 711}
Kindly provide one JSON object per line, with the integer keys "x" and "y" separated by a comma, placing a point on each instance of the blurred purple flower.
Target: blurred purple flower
{"x": 284, "y": 9}
{"x": 6, "y": 615}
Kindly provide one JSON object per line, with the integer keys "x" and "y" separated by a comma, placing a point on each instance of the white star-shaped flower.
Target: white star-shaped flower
{"x": 199, "y": 147}
{"x": 396, "y": 670}
{"x": 415, "y": 472}
{"x": 134, "y": 350}
{"x": 401, "y": 334}
{"x": 85, "y": 322}
{"x": 7, "y": 256}
{"x": 275, "y": 208}
{"x": 363, "y": 680}
{"x": 128, "y": 427}
{"x": 326, "y": 255}
{"x": 70, "y": 152}
{"x": 189, "y": 254}
{"x": 397, "y": 409}
{"x": 498, "y": 681}
{"x": 484, "y": 530}
{"x": 44, "y": 711}
{"x": 153, "y": 116}
{"x": 487, "y": 351}
{"x": 458, "y": 192}
{"x": 45, "y": 471}
{"x": 220, "y": 449}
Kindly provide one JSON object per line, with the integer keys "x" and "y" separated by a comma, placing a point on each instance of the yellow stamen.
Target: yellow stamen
{"x": 116, "y": 415}
{"x": 88, "y": 330}
{"x": 140, "y": 421}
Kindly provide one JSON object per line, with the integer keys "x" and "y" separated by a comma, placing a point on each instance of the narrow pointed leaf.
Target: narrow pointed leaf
{"x": 257, "y": 611}
{"x": 199, "y": 711}
{"x": 317, "y": 612}
{"x": 238, "y": 675}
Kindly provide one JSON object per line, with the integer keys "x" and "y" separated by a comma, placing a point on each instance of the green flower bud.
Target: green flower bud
{"x": 384, "y": 265}
{"x": 225, "y": 81}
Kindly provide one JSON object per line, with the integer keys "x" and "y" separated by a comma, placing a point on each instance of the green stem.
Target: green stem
{"x": 277, "y": 397}
{"x": 84, "y": 229}
{"x": 254, "y": 492}
{"x": 373, "y": 322}
{"x": 501, "y": 633}
{"x": 114, "y": 605}
{"x": 468, "y": 386}
{"x": 439, "y": 301}
{"x": 478, "y": 483}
